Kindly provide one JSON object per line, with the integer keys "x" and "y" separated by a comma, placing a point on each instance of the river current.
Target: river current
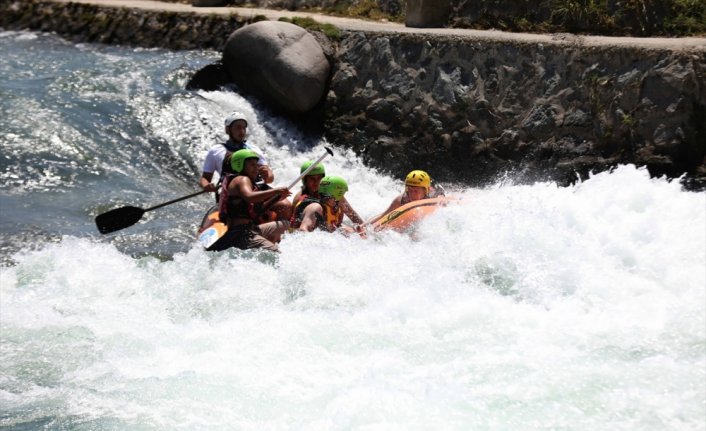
{"x": 522, "y": 307}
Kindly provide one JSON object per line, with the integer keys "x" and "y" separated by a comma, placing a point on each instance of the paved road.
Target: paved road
{"x": 688, "y": 43}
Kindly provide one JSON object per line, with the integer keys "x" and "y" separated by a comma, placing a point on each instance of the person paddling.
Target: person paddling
{"x": 417, "y": 186}
{"x": 236, "y": 128}
{"x": 240, "y": 207}
{"x": 310, "y": 188}
{"x": 324, "y": 212}
{"x": 218, "y": 160}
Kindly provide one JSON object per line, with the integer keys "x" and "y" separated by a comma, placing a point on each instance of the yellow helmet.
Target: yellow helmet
{"x": 418, "y": 179}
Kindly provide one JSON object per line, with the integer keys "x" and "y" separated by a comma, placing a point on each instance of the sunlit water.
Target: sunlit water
{"x": 522, "y": 307}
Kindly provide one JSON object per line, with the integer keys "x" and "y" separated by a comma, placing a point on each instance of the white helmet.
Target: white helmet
{"x": 235, "y": 116}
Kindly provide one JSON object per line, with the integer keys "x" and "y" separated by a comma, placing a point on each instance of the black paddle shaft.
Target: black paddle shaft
{"x": 123, "y": 217}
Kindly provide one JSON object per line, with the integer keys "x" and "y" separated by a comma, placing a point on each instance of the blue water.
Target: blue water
{"x": 522, "y": 307}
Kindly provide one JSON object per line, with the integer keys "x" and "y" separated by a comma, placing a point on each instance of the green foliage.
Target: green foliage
{"x": 608, "y": 17}
{"x": 577, "y": 15}
{"x": 330, "y": 30}
{"x": 689, "y": 17}
{"x": 630, "y": 17}
{"x": 366, "y": 9}
{"x": 628, "y": 120}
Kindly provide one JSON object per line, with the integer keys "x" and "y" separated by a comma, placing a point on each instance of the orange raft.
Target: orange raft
{"x": 405, "y": 216}
{"x": 212, "y": 228}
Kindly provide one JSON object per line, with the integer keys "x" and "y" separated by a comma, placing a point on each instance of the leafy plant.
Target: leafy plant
{"x": 580, "y": 15}
{"x": 689, "y": 18}
{"x": 610, "y": 17}
{"x": 628, "y": 120}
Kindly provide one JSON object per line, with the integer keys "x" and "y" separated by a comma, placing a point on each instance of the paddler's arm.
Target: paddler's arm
{"x": 266, "y": 174}
{"x": 243, "y": 189}
{"x": 396, "y": 203}
{"x": 350, "y": 212}
{"x": 205, "y": 182}
{"x": 309, "y": 217}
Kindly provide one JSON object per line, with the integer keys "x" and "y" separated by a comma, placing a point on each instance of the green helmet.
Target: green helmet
{"x": 237, "y": 160}
{"x": 318, "y": 169}
{"x": 333, "y": 186}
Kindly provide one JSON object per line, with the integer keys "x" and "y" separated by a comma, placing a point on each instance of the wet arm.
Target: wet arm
{"x": 350, "y": 212}
{"x": 205, "y": 182}
{"x": 243, "y": 188}
{"x": 266, "y": 173}
{"x": 396, "y": 203}
{"x": 309, "y": 217}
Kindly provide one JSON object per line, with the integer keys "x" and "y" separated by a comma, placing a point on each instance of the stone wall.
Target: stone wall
{"x": 90, "y": 23}
{"x": 471, "y": 111}
{"x": 464, "y": 110}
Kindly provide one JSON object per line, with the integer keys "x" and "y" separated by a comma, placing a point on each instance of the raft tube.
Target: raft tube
{"x": 212, "y": 228}
{"x": 405, "y": 216}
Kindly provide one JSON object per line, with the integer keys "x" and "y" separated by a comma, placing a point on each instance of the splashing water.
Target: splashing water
{"x": 521, "y": 307}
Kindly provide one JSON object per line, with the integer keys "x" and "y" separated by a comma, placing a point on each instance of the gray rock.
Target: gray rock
{"x": 209, "y": 78}
{"x": 385, "y": 110}
{"x": 577, "y": 118}
{"x": 279, "y": 62}
{"x": 541, "y": 121}
{"x": 667, "y": 140}
{"x": 447, "y": 87}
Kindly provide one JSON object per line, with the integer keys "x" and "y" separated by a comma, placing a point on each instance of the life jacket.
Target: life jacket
{"x": 329, "y": 221}
{"x": 231, "y": 148}
{"x": 236, "y": 207}
{"x": 297, "y": 210}
{"x": 304, "y": 194}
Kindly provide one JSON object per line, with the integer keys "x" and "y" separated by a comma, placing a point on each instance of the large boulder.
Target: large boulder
{"x": 280, "y": 62}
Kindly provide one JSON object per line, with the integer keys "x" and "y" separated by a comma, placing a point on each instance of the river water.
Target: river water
{"x": 523, "y": 307}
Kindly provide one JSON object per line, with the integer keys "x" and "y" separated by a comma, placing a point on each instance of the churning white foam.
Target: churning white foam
{"x": 522, "y": 307}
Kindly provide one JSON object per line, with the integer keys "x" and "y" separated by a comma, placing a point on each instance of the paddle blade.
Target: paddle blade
{"x": 119, "y": 218}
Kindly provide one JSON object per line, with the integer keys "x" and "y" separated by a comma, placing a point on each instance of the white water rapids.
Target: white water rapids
{"x": 524, "y": 307}
{"x": 529, "y": 307}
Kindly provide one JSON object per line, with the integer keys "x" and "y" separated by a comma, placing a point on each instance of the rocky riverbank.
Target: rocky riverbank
{"x": 465, "y": 108}
{"x": 471, "y": 111}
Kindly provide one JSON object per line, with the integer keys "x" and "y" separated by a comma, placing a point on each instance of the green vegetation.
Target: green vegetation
{"x": 688, "y": 17}
{"x": 634, "y": 17}
{"x": 365, "y": 9}
{"x": 628, "y": 121}
{"x": 330, "y": 30}
{"x": 606, "y": 17}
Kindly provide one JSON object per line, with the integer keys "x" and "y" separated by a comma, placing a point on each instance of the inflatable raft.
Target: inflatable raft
{"x": 401, "y": 219}
{"x": 408, "y": 214}
{"x": 212, "y": 228}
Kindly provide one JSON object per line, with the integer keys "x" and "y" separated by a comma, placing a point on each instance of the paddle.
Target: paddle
{"x": 123, "y": 217}
{"x": 268, "y": 203}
